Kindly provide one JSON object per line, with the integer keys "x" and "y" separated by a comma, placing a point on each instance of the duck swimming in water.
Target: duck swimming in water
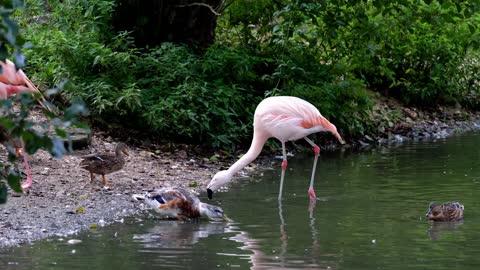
{"x": 180, "y": 203}
{"x": 450, "y": 211}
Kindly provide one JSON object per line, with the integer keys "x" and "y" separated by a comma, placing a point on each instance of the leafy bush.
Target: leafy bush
{"x": 410, "y": 50}
{"x": 325, "y": 51}
{"x": 167, "y": 90}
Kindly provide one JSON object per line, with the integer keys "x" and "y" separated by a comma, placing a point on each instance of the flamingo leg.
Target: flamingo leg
{"x": 316, "y": 149}
{"x": 284, "y": 167}
{"x": 283, "y": 232}
{"x": 29, "y": 181}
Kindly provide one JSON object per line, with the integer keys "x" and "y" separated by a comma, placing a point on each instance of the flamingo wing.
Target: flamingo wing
{"x": 287, "y": 118}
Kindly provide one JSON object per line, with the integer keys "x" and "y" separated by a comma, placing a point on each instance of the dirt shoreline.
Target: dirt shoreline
{"x": 62, "y": 201}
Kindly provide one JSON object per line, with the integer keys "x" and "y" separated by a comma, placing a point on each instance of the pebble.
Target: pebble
{"x": 74, "y": 241}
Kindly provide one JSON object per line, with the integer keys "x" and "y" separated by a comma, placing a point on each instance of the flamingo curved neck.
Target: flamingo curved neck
{"x": 255, "y": 148}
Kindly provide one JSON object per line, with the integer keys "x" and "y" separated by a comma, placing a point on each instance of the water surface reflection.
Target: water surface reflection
{"x": 370, "y": 215}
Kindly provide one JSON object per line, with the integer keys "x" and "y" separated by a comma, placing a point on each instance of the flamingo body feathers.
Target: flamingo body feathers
{"x": 284, "y": 118}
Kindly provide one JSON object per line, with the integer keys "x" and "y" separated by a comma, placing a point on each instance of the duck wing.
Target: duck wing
{"x": 102, "y": 163}
{"x": 174, "y": 193}
{"x": 174, "y": 202}
{"x": 97, "y": 156}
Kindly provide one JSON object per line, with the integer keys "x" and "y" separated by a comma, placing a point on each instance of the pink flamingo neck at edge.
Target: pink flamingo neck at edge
{"x": 255, "y": 149}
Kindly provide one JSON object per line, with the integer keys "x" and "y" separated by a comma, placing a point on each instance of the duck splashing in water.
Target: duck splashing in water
{"x": 180, "y": 203}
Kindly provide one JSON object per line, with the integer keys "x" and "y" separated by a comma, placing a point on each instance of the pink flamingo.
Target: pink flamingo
{"x": 13, "y": 81}
{"x": 286, "y": 119}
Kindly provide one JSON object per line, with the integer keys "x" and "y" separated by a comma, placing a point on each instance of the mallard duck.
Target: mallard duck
{"x": 105, "y": 163}
{"x": 180, "y": 203}
{"x": 450, "y": 211}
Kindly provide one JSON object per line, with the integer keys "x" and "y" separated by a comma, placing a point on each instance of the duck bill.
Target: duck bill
{"x": 226, "y": 219}
{"x": 209, "y": 193}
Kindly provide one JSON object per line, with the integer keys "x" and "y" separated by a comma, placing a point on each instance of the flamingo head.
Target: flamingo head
{"x": 218, "y": 180}
{"x": 332, "y": 129}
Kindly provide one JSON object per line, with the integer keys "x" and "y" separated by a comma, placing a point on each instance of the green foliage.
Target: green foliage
{"x": 9, "y": 32}
{"x": 421, "y": 52}
{"x": 466, "y": 80}
{"x": 168, "y": 90}
{"x": 328, "y": 52}
{"x": 411, "y": 48}
{"x": 17, "y": 123}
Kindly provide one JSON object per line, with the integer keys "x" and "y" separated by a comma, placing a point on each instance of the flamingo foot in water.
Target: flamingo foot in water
{"x": 311, "y": 192}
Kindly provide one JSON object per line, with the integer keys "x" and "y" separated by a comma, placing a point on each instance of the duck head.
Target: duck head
{"x": 121, "y": 148}
{"x": 212, "y": 212}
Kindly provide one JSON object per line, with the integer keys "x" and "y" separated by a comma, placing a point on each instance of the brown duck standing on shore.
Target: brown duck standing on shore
{"x": 450, "y": 211}
{"x": 105, "y": 163}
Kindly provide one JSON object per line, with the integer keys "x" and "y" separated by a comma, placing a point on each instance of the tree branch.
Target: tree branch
{"x": 201, "y": 4}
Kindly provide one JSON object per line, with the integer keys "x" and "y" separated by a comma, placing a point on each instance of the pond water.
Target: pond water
{"x": 370, "y": 215}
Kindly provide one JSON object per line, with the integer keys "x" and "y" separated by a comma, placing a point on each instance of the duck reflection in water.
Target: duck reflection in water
{"x": 172, "y": 234}
{"x": 438, "y": 228}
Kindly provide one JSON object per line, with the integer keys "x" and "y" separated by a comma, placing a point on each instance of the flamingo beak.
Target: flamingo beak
{"x": 209, "y": 193}
{"x": 339, "y": 138}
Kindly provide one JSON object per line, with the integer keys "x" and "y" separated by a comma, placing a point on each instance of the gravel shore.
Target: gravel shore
{"x": 63, "y": 201}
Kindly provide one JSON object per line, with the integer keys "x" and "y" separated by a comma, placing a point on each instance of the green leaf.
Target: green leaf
{"x": 14, "y": 182}
{"x": 3, "y": 193}
{"x": 60, "y": 132}
{"x": 80, "y": 210}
